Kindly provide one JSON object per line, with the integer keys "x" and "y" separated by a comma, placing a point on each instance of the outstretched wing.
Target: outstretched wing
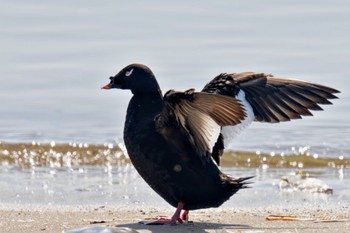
{"x": 198, "y": 117}
{"x": 273, "y": 99}
{"x": 267, "y": 99}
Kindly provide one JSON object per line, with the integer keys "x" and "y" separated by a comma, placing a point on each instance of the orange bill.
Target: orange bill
{"x": 108, "y": 86}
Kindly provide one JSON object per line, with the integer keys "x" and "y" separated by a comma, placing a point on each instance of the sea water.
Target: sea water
{"x": 55, "y": 57}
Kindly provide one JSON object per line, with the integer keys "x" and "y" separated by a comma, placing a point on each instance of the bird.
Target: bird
{"x": 175, "y": 141}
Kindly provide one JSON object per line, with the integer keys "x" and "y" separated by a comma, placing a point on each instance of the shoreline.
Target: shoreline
{"x": 35, "y": 154}
{"x": 40, "y": 218}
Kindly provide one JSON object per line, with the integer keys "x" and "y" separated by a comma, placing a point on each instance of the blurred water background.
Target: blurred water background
{"x": 55, "y": 56}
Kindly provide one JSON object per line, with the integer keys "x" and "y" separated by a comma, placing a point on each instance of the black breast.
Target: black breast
{"x": 173, "y": 170}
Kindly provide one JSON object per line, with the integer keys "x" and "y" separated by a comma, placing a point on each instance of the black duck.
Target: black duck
{"x": 175, "y": 141}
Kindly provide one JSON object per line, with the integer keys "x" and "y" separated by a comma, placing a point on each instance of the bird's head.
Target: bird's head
{"x": 135, "y": 77}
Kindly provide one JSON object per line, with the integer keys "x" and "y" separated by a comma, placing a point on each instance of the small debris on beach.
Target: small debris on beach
{"x": 295, "y": 182}
{"x": 281, "y": 217}
{"x": 274, "y": 217}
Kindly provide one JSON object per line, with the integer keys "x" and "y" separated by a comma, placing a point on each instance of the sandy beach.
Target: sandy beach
{"x": 22, "y": 218}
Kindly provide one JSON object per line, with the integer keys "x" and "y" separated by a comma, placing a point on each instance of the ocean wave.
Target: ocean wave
{"x": 36, "y": 154}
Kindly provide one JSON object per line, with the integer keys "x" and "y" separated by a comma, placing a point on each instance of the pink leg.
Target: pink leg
{"x": 184, "y": 215}
{"x": 174, "y": 219}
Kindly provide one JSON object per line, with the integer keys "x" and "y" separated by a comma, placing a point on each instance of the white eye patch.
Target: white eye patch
{"x": 128, "y": 73}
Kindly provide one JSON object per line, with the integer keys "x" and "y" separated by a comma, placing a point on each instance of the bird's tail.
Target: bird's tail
{"x": 233, "y": 184}
{"x": 243, "y": 182}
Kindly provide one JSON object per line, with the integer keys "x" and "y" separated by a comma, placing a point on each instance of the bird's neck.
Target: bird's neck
{"x": 140, "y": 116}
{"x": 144, "y": 106}
{"x": 156, "y": 93}
{"x": 149, "y": 88}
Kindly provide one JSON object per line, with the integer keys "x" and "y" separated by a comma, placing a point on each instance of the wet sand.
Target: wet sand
{"x": 27, "y": 218}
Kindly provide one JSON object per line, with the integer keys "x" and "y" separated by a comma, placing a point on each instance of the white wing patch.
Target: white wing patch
{"x": 128, "y": 73}
{"x": 230, "y": 132}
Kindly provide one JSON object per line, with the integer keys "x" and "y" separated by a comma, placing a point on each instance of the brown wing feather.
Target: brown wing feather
{"x": 272, "y": 99}
{"x": 224, "y": 110}
{"x": 278, "y": 99}
{"x": 200, "y": 116}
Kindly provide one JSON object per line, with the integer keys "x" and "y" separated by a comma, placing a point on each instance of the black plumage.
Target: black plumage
{"x": 273, "y": 99}
{"x": 175, "y": 141}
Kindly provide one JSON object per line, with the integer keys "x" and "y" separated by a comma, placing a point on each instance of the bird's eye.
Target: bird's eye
{"x": 111, "y": 78}
{"x": 128, "y": 73}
